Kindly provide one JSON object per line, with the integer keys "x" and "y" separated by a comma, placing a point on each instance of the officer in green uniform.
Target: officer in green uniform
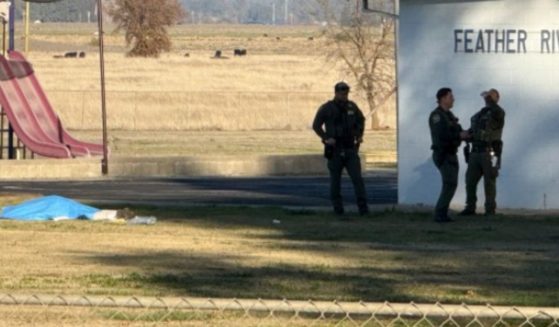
{"x": 446, "y": 136}
{"x": 485, "y": 157}
{"x": 340, "y": 124}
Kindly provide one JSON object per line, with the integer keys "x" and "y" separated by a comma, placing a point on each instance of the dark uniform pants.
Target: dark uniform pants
{"x": 351, "y": 161}
{"x": 480, "y": 165}
{"x": 447, "y": 164}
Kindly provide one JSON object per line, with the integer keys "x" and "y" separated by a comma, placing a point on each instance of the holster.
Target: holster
{"x": 328, "y": 151}
{"x": 467, "y": 151}
{"x": 495, "y": 171}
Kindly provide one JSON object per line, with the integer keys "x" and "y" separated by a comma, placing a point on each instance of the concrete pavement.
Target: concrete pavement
{"x": 295, "y": 191}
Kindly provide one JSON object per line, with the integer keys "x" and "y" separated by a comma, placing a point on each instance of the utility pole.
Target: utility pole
{"x": 11, "y": 46}
{"x": 286, "y": 18}
{"x": 105, "y": 160}
{"x": 274, "y": 13}
{"x": 26, "y": 18}
{"x": 5, "y": 16}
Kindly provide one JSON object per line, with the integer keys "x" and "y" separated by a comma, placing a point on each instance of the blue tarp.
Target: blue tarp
{"x": 48, "y": 208}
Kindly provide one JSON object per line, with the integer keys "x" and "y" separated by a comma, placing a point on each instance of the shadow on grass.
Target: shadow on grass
{"x": 420, "y": 277}
{"x": 392, "y": 256}
{"x": 200, "y": 276}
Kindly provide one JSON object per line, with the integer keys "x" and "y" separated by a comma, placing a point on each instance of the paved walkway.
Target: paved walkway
{"x": 274, "y": 191}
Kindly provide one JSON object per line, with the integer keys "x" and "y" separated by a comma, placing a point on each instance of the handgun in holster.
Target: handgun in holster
{"x": 467, "y": 150}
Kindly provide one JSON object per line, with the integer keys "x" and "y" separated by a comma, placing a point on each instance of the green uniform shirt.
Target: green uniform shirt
{"x": 445, "y": 131}
{"x": 487, "y": 125}
{"x": 342, "y": 121}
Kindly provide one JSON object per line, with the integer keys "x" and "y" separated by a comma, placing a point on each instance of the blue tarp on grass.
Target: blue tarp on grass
{"x": 48, "y": 208}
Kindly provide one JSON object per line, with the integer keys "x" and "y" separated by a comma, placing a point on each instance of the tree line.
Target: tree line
{"x": 205, "y": 11}
{"x": 61, "y": 11}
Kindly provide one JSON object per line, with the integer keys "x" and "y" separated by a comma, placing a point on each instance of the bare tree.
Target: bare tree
{"x": 365, "y": 45}
{"x": 145, "y": 24}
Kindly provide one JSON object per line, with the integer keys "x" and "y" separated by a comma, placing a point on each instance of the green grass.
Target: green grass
{"x": 379, "y": 146}
{"x": 159, "y": 316}
{"x": 389, "y": 256}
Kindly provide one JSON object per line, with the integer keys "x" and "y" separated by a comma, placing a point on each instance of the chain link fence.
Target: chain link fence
{"x": 66, "y": 310}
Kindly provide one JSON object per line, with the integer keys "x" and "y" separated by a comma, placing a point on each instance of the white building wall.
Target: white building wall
{"x": 528, "y": 81}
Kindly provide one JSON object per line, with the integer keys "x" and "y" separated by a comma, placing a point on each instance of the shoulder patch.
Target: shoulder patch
{"x": 435, "y": 119}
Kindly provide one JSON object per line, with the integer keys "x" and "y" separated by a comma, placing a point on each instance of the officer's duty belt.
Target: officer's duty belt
{"x": 481, "y": 149}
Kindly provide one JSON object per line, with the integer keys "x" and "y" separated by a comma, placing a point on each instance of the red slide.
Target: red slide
{"x": 24, "y": 123}
{"x": 42, "y": 109}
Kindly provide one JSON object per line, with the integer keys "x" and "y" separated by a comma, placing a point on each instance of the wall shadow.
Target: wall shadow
{"x": 272, "y": 191}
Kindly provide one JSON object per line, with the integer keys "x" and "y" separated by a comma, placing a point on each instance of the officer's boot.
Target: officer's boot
{"x": 489, "y": 211}
{"x": 468, "y": 212}
{"x": 490, "y": 207}
{"x": 363, "y": 207}
{"x": 339, "y": 210}
{"x": 441, "y": 216}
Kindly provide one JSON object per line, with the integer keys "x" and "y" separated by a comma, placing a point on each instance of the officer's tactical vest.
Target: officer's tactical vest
{"x": 345, "y": 123}
{"x": 483, "y": 129}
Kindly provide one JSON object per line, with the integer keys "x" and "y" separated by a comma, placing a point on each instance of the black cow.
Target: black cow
{"x": 74, "y": 54}
{"x": 240, "y": 52}
{"x": 218, "y": 55}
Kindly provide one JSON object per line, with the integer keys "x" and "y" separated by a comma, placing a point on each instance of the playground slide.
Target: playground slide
{"x": 47, "y": 132}
{"x": 41, "y": 107}
{"x": 23, "y": 122}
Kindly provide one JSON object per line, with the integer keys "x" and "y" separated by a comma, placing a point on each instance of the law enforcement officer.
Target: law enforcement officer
{"x": 340, "y": 124}
{"x": 446, "y": 136}
{"x": 485, "y": 157}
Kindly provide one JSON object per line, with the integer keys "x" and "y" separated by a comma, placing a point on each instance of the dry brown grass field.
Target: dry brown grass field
{"x": 177, "y": 105}
{"x": 278, "y": 85}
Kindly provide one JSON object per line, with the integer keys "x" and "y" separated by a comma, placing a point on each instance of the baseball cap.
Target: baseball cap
{"x": 490, "y": 92}
{"x": 341, "y": 86}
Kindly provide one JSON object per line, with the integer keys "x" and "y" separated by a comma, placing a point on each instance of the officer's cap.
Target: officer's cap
{"x": 493, "y": 93}
{"x": 341, "y": 87}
